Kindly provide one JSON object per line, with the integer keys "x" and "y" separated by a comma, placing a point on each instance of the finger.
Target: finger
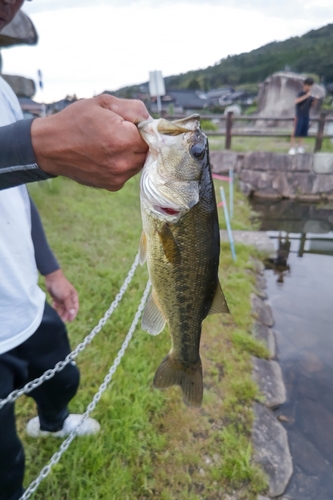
{"x": 133, "y": 136}
{"x": 72, "y": 307}
{"x": 131, "y": 110}
{"x": 59, "y": 307}
{"x": 132, "y": 166}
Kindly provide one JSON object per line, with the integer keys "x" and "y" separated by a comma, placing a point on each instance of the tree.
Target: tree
{"x": 194, "y": 85}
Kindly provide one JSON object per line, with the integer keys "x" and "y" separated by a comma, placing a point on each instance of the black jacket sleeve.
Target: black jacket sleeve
{"x": 17, "y": 158}
{"x": 45, "y": 259}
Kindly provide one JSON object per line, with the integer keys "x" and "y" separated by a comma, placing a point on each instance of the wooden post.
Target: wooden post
{"x": 228, "y": 127}
{"x": 320, "y": 132}
{"x": 301, "y": 245}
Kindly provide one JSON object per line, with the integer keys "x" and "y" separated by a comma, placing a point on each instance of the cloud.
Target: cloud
{"x": 282, "y": 9}
{"x": 88, "y": 49}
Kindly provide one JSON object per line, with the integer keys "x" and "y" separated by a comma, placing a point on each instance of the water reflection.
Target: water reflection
{"x": 279, "y": 264}
{"x": 294, "y": 217}
{"x": 300, "y": 289}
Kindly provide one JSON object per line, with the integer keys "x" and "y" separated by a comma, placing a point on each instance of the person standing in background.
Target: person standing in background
{"x": 303, "y": 102}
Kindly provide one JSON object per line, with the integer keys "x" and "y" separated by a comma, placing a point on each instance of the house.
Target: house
{"x": 30, "y": 108}
{"x": 215, "y": 95}
{"x": 181, "y": 101}
{"x": 55, "y": 107}
{"x": 241, "y": 97}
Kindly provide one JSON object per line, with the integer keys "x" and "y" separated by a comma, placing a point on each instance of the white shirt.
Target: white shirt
{"x": 21, "y": 299}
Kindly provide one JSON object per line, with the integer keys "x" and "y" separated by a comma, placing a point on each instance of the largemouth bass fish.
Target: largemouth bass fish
{"x": 181, "y": 244}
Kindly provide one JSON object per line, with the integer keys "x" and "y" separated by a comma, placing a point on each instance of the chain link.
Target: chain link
{"x": 66, "y": 443}
{"x": 30, "y": 386}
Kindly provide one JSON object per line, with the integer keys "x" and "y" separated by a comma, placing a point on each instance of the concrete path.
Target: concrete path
{"x": 259, "y": 239}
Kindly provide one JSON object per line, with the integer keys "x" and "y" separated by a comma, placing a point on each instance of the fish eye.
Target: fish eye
{"x": 198, "y": 151}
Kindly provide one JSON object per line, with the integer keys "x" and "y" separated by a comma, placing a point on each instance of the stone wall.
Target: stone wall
{"x": 20, "y": 31}
{"x": 279, "y": 175}
{"x": 23, "y": 87}
{"x": 278, "y": 92}
{"x": 294, "y": 216}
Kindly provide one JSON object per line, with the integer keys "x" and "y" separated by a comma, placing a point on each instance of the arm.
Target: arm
{"x": 302, "y": 98}
{"x": 45, "y": 258}
{"x": 17, "y": 159}
{"x": 65, "y": 297}
{"x": 93, "y": 141}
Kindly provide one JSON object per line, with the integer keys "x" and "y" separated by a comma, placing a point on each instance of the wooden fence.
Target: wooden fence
{"x": 231, "y": 131}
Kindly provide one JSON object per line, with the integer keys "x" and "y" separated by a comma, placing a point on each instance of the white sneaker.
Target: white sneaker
{"x": 292, "y": 151}
{"x": 89, "y": 426}
{"x": 300, "y": 149}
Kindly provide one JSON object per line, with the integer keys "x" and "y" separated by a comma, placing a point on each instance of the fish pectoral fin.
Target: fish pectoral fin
{"x": 219, "y": 304}
{"x": 170, "y": 246}
{"x": 153, "y": 320}
{"x": 143, "y": 248}
{"x": 189, "y": 378}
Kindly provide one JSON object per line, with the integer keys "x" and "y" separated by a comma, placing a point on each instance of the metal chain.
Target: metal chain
{"x": 30, "y": 386}
{"x": 66, "y": 443}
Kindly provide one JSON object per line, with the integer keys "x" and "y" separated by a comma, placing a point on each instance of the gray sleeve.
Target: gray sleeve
{"x": 45, "y": 258}
{"x": 18, "y": 163}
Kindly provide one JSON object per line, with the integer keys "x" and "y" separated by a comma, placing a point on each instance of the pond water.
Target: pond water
{"x": 300, "y": 291}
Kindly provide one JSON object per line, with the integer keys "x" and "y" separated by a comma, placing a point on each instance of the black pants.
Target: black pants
{"x": 48, "y": 345}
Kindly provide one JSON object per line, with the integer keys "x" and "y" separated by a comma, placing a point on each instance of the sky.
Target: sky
{"x": 86, "y": 47}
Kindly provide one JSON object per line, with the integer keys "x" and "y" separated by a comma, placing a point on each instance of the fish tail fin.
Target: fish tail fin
{"x": 189, "y": 378}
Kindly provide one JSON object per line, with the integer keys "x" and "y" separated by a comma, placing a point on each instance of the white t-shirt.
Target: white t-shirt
{"x": 21, "y": 299}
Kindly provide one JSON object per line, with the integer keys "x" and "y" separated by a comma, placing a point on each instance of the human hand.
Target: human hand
{"x": 93, "y": 141}
{"x": 65, "y": 297}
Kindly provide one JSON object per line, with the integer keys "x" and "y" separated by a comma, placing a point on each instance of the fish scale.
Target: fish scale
{"x": 182, "y": 250}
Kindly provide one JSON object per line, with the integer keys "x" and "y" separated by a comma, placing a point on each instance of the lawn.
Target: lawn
{"x": 151, "y": 446}
{"x": 272, "y": 144}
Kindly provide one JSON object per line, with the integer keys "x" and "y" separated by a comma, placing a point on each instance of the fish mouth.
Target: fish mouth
{"x": 166, "y": 210}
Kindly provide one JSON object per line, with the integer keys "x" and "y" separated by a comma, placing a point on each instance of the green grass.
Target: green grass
{"x": 208, "y": 125}
{"x": 271, "y": 144}
{"x": 244, "y": 216}
{"x": 150, "y": 446}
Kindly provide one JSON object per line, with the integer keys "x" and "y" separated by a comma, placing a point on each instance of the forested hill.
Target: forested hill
{"x": 310, "y": 53}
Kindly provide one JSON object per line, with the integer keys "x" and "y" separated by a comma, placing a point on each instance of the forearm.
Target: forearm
{"x": 17, "y": 159}
{"x": 93, "y": 141}
{"x": 45, "y": 259}
{"x": 302, "y": 98}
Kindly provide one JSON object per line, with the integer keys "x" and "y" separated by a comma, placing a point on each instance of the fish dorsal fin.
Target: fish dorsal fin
{"x": 170, "y": 246}
{"x": 171, "y": 128}
{"x": 153, "y": 320}
{"x": 143, "y": 248}
{"x": 219, "y": 304}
